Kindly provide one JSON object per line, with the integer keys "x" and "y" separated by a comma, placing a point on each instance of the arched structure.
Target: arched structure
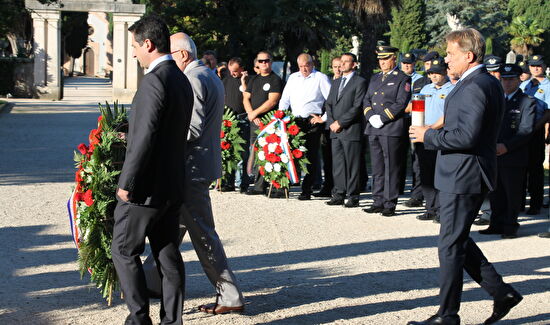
{"x": 47, "y": 44}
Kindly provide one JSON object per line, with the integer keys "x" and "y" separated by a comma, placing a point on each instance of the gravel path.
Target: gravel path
{"x": 297, "y": 262}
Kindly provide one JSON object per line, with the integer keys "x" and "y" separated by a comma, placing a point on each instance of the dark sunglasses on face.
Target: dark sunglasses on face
{"x": 264, "y": 60}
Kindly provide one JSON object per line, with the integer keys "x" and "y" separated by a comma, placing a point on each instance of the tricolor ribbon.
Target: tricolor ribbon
{"x": 73, "y": 216}
{"x": 290, "y": 166}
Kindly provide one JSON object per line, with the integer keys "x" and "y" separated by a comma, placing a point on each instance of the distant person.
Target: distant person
{"x": 211, "y": 59}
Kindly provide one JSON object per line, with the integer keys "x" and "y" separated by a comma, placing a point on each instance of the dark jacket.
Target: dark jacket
{"x": 153, "y": 170}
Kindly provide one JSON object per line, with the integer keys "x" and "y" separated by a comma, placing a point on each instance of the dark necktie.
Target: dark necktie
{"x": 384, "y": 76}
{"x": 342, "y": 83}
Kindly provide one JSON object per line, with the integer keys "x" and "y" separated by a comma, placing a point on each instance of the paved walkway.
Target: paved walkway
{"x": 297, "y": 262}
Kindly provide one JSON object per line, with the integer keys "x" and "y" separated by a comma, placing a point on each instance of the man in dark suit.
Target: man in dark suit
{"x": 202, "y": 166}
{"x": 465, "y": 171}
{"x": 384, "y": 108}
{"x": 151, "y": 184}
{"x": 343, "y": 107}
{"x": 512, "y": 154}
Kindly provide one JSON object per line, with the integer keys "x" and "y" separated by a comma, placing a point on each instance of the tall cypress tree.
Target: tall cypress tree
{"x": 408, "y": 25}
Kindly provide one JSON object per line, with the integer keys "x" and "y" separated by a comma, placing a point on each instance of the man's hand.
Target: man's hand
{"x": 376, "y": 121}
{"x": 252, "y": 116}
{"x": 416, "y": 133}
{"x": 123, "y": 195}
{"x": 257, "y": 121}
{"x": 316, "y": 119}
{"x": 335, "y": 127}
{"x": 501, "y": 149}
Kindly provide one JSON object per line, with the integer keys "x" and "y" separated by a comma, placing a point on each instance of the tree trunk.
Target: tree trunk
{"x": 12, "y": 38}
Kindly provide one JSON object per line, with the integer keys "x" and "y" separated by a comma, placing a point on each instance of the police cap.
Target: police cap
{"x": 536, "y": 59}
{"x": 408, "y": 58}
{"x": 438, "y": 66}
{"x": 430, "y": 56}
{"x": 492, "y": 62}
{"x": 524, "y": 67}
{"x": 509, "y": 70}
{"x": 384, "y": 51}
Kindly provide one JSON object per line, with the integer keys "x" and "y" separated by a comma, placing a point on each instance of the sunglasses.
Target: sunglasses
{"x": 264, "y": 61}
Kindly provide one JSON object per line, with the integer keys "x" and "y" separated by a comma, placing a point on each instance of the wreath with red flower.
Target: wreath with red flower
{"x": 92, "y": 204}
{"x": 231, "y": 143}
{"x": 280, "y": 151}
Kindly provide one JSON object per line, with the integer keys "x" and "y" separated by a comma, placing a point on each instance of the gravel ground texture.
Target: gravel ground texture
{"x": 297, "y": 262}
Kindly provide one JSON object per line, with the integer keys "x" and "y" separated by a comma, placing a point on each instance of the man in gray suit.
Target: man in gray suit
{"x": 203, "y": 165}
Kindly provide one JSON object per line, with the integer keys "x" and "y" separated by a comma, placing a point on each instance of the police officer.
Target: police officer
{"x": 492, "y": 64}
{"x": 515, "y": 132}
{"x": 538, "y": 87}
{"x": 526, "y": 73}
{"x": 384, "y": 105}
{"x": 427, "y": 59}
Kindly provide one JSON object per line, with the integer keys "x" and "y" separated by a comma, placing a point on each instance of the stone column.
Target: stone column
{"x": 47, "y": 54}
{"x": 126, "y": 69}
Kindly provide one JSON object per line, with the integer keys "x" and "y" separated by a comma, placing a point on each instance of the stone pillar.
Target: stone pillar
{"x": 47, "y": 54}
{"x": 126, "y": 69}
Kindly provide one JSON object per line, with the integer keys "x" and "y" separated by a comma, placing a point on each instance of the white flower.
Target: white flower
{"x": 261, "y": 155}
{"x": 271, "y": 147}
{"x": 268, "y": 167}
{"x": 279, "y": 133}
{"x": 270, "y": 129}
{"x": 277, "y": 167}
{"x": 302, "y": 149}
{"x": 262, "y": 142}
{"x": 284, "y": 158}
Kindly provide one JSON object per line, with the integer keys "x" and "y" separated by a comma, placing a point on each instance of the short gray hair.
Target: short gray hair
{"x": 185, "y": 43}
{"x": 469, "y": 40}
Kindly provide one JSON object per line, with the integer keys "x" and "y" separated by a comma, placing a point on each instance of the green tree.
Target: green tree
{"x": 526, "y": 35}
{"x": 407, "y": 27}
{"x": 537, "y": 10}
{"x": 74, "y": 29}
{"x": 372, "y": 16}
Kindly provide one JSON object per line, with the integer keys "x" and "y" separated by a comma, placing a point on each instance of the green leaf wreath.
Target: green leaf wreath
{"x": 231, "y": 144}
{"x": 98, "y": 166}
{"x": 280, "y": 155}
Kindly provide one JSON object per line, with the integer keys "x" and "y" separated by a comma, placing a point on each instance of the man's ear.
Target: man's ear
{"x": 149, "y": 45}
{"x": 185, "y": 55}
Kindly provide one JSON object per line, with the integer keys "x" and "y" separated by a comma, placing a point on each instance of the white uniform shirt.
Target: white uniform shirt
{"x": 307, "y": 95}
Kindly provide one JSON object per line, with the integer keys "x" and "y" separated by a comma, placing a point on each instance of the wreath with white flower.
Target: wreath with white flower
{"x": 280, "y": 151}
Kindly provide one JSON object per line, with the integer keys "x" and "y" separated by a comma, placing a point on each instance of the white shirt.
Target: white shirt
{"x": 157, "y": 61}
{"x": 467, "y": 72}
{"x": 305, "y": 95}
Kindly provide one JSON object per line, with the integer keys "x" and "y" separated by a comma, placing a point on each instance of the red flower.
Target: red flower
{"x": 262, "y": 125}
{"x": 262, "y": 170}
{"x": 265, "y": 149}
{"x": 277, "y": 185}
{"x": 273, "y": 158}
{"x": 293, "y": 129}
{"x": 222, "y": 134}
{"x": 91, "y": 148}
{"x": 297, "y": 153}
{"x": 256, "y": 148}
{"x": 95, "y": 136}
{"x": 279, "y": 114}
{"x": 88, "y": 198}
{"x": 278, "y": 150}
{"x": 79, "y": 196}
{"x": 273, "y": 138}
{"x": 227, "y": 123}
{"x": 82, "y": 148}
{"x": 226, "y": 145}
{"x": 78, "y": 177}
{"x": 99, "y": 119}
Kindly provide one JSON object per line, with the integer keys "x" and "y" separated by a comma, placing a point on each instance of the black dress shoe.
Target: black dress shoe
{"x": 254, "y": 192}
{"x": 323, "y": 193}
{"x": 490, "y": 231}
{"x": 502, "y": 306}
{"x": 545, "y": 234}
{"x": 304, "y": 197}
{"x": 334, "y": 201}
{"x": 227, "y": 189}
{"x": 388, "y": 212}
{"x": 351, "y": 203}
{"x": 509, "y": 236}
{"x": 438, "y": 320}
{"x": 482, "y": 222}
{"x": 425, "y": 216}
{"x": 533, "y": 211}
{"x": 413, "y": 203}
{"x": 373, "y": 209}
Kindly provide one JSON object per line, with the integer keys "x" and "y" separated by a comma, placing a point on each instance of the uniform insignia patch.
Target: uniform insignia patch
{"x": 540, "y": 91}
{"x": 508, "y": 68}
{"x": 536, "y": 57}
{"x": 442, "y": 96}
{"x": 407, "y": 87}
{"x": 380, "y": 48}
{"x": 436, "y": 62}
{"x": 391, "y": 84}
{"x": 395, "y": 73}
{"x": 521, "y": 64}
{"x": 492, "y": 61}
{"x": 407, "y": 55}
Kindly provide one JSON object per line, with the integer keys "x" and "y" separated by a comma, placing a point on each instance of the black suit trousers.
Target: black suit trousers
{"x": 426, "y": 165}
{"x": 506, "y": 199}
{"x": 160, "y": 224}
{"x": 386, "y": 154}
{"x": 345, "y": 168}
{"x": 326, "y": 149}
{"x": 312, "y": 144}
{"x": 535, "y": 170}
{"x": 458, "y": 252}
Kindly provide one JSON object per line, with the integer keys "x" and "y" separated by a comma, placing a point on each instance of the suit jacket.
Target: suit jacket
{"x": 467, "y": 143}
{"x": 516, "y": 129}
{"x": 347, "y": 109}
{"x": 204, "y": 162}
{"x": 158, "y": 126}
{"x": 388, "y": 98}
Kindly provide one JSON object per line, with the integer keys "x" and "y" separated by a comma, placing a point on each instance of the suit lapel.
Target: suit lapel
{"x": 350, "y": 82}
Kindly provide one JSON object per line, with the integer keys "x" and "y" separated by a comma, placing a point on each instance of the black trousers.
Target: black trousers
{"x": 386, "y": 154}
{"x": 535, "y": 170}
{"x": 160, "y": 224}
{"x": 312, "y": 144}
{"x": 426, "y": 165}
{"x": 244, "y": 132}
{"x": 417, "y": 192}
{"x": 326, "y": 150}
{"x": 506, "y": 199}
{"x": 458, "y": 252}
{"x": 345, "y": 168}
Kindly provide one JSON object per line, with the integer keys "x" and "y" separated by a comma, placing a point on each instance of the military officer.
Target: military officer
{"x": 384, "y": 105}
{"x": 538, "y": 87}
{"x": 515, "y": 132}
{"x": 492, "y": 64}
